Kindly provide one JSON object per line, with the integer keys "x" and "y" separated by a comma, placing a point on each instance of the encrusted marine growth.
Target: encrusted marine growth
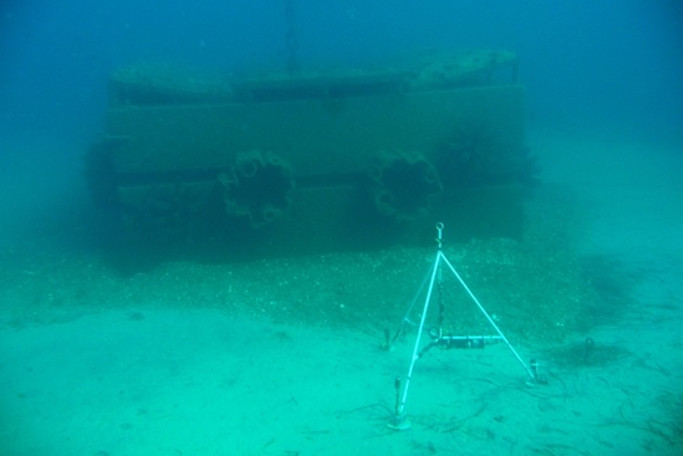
{"x": 258, "y": 186}
{"x": 403, "y": 185}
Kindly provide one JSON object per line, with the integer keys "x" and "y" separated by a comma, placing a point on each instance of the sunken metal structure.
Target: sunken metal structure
{"x": 305, "y": 162}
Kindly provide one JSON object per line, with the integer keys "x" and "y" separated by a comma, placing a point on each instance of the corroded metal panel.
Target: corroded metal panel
{"x": 288, "y": 166}
{"x": 317, "y": 136}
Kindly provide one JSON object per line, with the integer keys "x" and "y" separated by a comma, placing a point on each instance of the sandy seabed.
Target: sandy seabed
{"x": 287, "y": 356}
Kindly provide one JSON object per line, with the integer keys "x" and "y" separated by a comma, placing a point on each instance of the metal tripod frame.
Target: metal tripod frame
{"x": 400, "y": 421}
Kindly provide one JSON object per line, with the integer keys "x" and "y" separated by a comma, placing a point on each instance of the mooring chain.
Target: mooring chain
{"x": 291, "y": 37}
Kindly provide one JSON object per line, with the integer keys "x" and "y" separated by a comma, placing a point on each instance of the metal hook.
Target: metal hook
{"x": 439, "y": 233}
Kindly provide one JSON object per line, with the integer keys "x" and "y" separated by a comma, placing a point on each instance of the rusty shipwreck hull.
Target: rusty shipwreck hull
{"x": 314, "y": 164}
